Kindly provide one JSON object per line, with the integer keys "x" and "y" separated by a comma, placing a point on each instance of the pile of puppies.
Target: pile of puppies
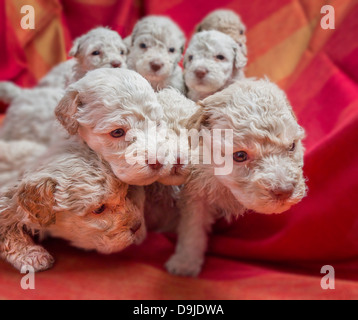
{"x": 79, "y": 161}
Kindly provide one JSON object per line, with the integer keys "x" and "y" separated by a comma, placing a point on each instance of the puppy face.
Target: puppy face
{"x": 100, "y": 48}
{"x": 114, "y": 112}
{"x": 267, "y": 174}
{"x": 177, "y": 112}
{"x": 211, "y": 61}
{"x": 75, "y": 196}
{"x": 156, "y": 48}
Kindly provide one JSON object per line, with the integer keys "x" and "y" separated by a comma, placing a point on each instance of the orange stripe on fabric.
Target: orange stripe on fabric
{"x": 270, "y": 32}
{"x": 45, "y": 10}
{"x": 274, "y": 63}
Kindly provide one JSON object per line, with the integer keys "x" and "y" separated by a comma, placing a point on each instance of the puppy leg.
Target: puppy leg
{"x": 19, "y": 250}
{"x": 195, "y": 224}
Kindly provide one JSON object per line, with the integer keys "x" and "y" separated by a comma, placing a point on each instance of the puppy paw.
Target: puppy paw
{"x": 180, "y": 265}
{"x": 35, "y": 257}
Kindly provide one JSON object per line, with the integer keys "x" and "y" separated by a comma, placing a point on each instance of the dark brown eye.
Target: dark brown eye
{"x": 96, "y": 53}
{"x": 122, "y": 52}
{"x": 190, "y": 58}
{"x": 143, "y": 46}
{"x": 118, "y": 133}
{"x": 171, "y": 50}
{"x": 241, "y": 32}
{"x": 220, "y": 57}
{"x": 100, "y": 209}
{"x": 240, "y": 156}
{"x": 292, "y": 147}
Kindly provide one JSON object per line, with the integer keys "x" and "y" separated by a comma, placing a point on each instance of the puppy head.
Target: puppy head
{"x": 100, "y": 48}
{"x": 225, "y": 21}
{"x": 76, "y": 197}
{"x": 267, "y": 151}
{"x": 116, "y": 112}
{"x": 211, "y": 62}
{"x": 157, "y": 45}
{"x": 177, "y": 111}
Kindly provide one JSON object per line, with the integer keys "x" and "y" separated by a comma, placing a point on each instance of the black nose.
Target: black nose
{"x": 156, "y": 66}
{"x": 282, "y": 193}
{"x": 136, "y": 227}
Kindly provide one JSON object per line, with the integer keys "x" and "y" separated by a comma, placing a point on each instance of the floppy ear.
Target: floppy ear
{"x": 37, "y": 199}
{"x": 199, "y": 119}
{"x": 240, "y": 60}
{"x": 76, "y": 48}
{"x": 67, "y": 109}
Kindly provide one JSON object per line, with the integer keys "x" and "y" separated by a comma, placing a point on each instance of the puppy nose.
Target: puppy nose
{"x": 136, "y": 227}
{"x": 156, "y": 65}
{"x": 155, "y": 166}
{"x": 201, "y": 73}
{"x": 116, "y": 64}
{"x": 282, "y": 193}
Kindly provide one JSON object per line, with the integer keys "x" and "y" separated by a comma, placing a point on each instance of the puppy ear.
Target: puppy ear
{"x": 240, "y": 60}
{"x": 199, "y": 119}
{"x": 67, "y": 109}
{"x": 76, "y": 48}
{"x": 37, "y": 199}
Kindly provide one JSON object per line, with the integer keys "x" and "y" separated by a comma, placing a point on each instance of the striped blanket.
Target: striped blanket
{"x": 261, "y": 257}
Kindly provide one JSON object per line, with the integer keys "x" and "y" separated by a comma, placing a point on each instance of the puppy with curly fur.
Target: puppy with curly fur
{"x": 161, "y": 208}
{"x": 71, "y": 194}
{"x": 225, "y": 21}
{"x": 98, "y": 48}
{"x": 114, "y": 112}
{"x": 212, "y": 62}
{"x": 266, "y": 154}
{"x": 156, "y": 48}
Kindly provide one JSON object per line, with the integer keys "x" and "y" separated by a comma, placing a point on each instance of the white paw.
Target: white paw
{"x": 36, "y": 257}
{"x": 180, "y": 265}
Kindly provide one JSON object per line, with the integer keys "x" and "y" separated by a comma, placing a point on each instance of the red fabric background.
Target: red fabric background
{"x": 321, "y": 230}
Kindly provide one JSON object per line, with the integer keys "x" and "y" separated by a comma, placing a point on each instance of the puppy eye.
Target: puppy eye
{"x": 100, "y": 209}
{"x": 118, "y": 133}
{"x": 190, "y": 58}
{"x": 292, "y": 147}
{"x": 241, "y": 32}
{"x": 240, "y": 156}
{"x": 122, "y": 52}
{"x": 96, "y": 53}
{"x": 171, "y": 50}
{"x": 143, "y": 46}
{"x": 220, "y": 57}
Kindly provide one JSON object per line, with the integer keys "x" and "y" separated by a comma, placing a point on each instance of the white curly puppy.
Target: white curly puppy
{"x": 225, "y": 21}
{"x": 99, "y": 48}
{"x": 162, "y": 197}
{"x": 16, "y": 157}
{"x": 30, "y": 115}
{"x": 157, "y": 45}
{"x": 212, "y": 62}
{"x": 113, "y": 111}
{"x": 266, "y": 154}
{"x": 74, "y": 195}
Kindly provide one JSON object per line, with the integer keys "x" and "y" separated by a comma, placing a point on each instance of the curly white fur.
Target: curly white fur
{"x": 157, "y": 45}
{"x": 30, "y": 115}
{"x": 212, "y": 62}
{"x": 269, "y": 181}
{"x": 72, "y": 194}
{"x": 225, "y": 21}
{"x": 99, "y": 48}
{"x": 106, "y": 100}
